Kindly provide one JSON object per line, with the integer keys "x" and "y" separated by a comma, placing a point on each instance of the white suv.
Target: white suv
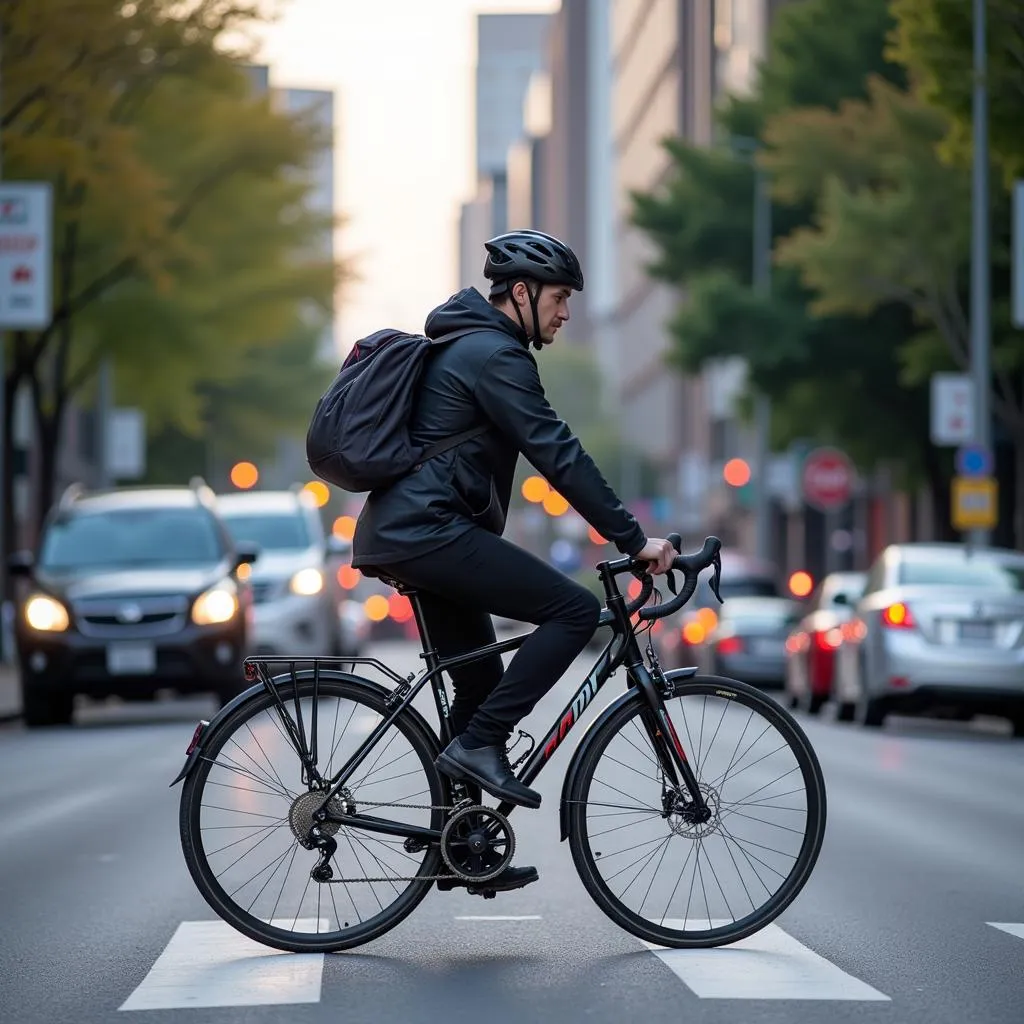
{"x": 296, "y": 600}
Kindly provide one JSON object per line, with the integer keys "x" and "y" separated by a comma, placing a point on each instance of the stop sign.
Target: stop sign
{"x": 827, "y": 478}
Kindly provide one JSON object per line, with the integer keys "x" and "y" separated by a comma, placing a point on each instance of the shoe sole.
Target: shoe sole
{"x": 454, "y": 770}
{"x": 475, "y": 890}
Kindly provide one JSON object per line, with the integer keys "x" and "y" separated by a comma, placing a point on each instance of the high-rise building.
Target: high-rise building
{"x": 510, "y": 49}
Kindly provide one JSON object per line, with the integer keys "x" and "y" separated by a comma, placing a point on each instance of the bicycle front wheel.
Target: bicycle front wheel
{"x": 246, "y": 803}
{"x": 660, "y": 872}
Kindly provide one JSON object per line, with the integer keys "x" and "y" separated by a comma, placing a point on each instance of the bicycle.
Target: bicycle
{"x": 322, "y": 814}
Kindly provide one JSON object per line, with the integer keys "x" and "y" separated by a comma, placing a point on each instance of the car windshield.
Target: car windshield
{"x": 973, "y": 573}
{"x": 127, "y": 538}
{"x": 760, "y": 613}
{"x": 272, "y": 531}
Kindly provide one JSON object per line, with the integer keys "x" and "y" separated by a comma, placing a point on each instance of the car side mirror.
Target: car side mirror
{"x": 20, "y": 563}
{"x": 246, "y": 552}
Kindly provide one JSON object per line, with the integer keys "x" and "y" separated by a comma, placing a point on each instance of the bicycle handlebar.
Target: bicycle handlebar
{"x": 690, "y": 565}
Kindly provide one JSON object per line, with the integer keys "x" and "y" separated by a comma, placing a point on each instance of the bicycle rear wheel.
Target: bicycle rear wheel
{"x": 675, "y": 881}
{"x": 245, "y": 805}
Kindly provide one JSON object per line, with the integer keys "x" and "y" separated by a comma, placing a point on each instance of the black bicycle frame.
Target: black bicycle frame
{"x": 671, "y": 756}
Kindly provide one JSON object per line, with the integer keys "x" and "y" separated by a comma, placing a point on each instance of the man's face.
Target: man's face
{"x": 552, "y": 309}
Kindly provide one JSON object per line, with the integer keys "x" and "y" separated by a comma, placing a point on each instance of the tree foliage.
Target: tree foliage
{"x": 834, "y": 377}
{"x": 183, "y": 247}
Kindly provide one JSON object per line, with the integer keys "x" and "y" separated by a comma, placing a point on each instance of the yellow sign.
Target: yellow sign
{"x": 975, "y": 503}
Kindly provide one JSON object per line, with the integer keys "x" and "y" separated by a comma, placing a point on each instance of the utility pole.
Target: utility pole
{"x": 763, "y": 406}
{"x": 981, "y": 293}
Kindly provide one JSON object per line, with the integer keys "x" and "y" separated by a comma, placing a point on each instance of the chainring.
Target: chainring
{"x": 471, "y": 843}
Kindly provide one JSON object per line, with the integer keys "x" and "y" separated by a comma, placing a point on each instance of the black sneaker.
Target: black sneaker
{"x": 489, "y": 767}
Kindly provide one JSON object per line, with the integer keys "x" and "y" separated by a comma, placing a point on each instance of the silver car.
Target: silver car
{"x": 297, "y": 602}
{"x": 749, "y": 640}
{"x": 938, "y": 630}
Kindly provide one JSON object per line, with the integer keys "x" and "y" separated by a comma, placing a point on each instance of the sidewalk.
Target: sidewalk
{"x": 10, "y": 693}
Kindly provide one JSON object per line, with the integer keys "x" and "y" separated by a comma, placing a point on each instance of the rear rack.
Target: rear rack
{"x": 258, "y": 667}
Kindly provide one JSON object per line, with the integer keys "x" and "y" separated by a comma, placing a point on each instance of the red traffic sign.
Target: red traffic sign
{"x": 827, "y": 479}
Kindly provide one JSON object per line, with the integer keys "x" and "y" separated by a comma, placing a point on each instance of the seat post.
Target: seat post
{"x": 417, "y": 610}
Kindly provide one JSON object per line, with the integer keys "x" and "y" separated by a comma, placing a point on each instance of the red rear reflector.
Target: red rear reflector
{"x": 195, "y": 736}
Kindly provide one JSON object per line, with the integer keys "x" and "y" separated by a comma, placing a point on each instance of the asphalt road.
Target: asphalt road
{"x": 923, "y": 858}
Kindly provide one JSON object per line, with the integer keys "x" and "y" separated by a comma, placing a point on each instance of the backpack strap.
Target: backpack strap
{"x": 452, "y": 442}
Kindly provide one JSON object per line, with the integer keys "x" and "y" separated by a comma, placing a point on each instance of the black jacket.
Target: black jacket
{"x": 486, "y": 377}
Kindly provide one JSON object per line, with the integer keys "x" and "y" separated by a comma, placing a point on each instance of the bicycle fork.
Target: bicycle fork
{"x": 671, "y": 756}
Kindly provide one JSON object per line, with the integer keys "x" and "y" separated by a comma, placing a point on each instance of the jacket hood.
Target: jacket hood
{"x": 469, "y": 309}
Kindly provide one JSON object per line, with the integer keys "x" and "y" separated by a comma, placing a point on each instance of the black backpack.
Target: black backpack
{"x": 358, "y": 438}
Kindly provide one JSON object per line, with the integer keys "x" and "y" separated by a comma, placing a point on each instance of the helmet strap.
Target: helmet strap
{"x": 533, "y": 338}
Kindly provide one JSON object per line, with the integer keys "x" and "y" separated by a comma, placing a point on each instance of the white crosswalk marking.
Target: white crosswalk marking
{"x": 1010, "y": 929}
{"x": 768, "y": 965}
{"x": 208, "y": 963}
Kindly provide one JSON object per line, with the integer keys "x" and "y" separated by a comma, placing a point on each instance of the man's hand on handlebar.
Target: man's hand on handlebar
{"x": 659, "y": 553}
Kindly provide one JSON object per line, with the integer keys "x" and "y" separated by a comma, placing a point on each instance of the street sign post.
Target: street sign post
{"x": 952, "y": 409}
{"x": 975, "y": 503}
{"x": 26, "y": 254}
{"x": 827, "y": 479}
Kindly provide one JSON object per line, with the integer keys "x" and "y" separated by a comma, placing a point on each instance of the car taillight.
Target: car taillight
{"x": 898, "y": 616}
{"x": 828, "y": 639}
{"x": 730, "y": 645}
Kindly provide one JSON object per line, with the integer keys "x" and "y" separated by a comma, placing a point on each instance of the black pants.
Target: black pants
{"x": 460, "y": 586}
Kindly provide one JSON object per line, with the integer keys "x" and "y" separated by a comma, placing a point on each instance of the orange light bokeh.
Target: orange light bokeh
{"x": 376, "y": 607}
{"x": 635, "y": 586}
{"x": 244, "y": 475}
{"x": 595, "y": 537}
{"x": 399, "y": 608}
{"x": 348, "y": 577}
{"x": 321, "y": 495}
{"x": 736, "y": 472}
{"x": 801, "y": 584}
{"x": 344, "y": 527}
{"x": 708, "y": 618}
{"x": 555, "y": 504}
{"x": 535, "y": 489}
{"x": 694, "y": 632}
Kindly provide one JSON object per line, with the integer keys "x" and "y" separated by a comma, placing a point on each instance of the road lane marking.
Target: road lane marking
{"x": 1010, "y": 929}
{"x": 499, "y": 917}
{"x": 208, "y": 963}
{"x": 768, "y": 965}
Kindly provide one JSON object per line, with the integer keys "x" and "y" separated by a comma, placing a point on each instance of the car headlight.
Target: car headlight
{"x": 307, "y": 582}
{"x": 46, "y": 614}
{"x": 216, "y": 605}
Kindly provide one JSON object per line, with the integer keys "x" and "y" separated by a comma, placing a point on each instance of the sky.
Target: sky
{"x": 403, "y": 72}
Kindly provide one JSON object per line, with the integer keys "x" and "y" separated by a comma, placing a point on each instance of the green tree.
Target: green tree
{"x": 833, "y": 378}
{"x": 892, "y": 225}
{"x": 935, "y": 40}
{"x": 180, "y": 234}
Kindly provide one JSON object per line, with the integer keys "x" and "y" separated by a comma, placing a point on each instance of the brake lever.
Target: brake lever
{"x": 670, "y": 578}
{"x": 716, "y": 578}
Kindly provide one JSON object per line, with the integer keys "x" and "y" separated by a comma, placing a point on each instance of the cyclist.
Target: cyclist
{"x": 439, "y": 529}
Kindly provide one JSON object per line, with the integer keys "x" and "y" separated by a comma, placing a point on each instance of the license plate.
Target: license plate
{"x": 977, "y": 631}
{"x": 131, "y": 659}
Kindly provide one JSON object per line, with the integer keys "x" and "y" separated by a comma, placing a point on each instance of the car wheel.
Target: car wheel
{"x": 871, "y": 711}
{"x": 846, "y": 711}
{"x": 40, "y": 709}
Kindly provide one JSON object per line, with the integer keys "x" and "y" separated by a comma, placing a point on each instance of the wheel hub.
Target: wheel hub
{"x": 685, "y": 819}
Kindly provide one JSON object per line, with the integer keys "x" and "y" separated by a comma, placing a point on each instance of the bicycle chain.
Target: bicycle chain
{"x": 405, "y": 878}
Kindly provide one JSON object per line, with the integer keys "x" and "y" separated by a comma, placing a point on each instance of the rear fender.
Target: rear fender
{"x": 588, "y": 738}
{"x": 206, "y": 730}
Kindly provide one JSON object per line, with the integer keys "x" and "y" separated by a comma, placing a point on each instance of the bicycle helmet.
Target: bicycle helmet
{"x": 532, "y": 255}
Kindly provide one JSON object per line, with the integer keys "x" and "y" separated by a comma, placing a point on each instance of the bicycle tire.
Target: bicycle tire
{"x": 359, "y": 692}
{"x": 583, "y": 855}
